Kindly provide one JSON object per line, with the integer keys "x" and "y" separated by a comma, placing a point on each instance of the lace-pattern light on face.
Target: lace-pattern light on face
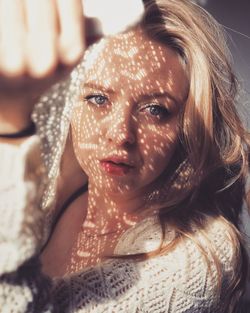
{"x": 124, "y": 132}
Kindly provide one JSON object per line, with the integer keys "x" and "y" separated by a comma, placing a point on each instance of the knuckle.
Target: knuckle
{"x": 41, "y": 69}
{"x": 41, "y": 63}
{"x": 12, "y": 68}
{"x": 71, "y": 52}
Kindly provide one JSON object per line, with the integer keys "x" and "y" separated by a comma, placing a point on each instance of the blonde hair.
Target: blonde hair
{"x": 214, "y": 146}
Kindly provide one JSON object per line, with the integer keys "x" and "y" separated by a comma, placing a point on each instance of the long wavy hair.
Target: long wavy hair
{"x": 209, "y": 175}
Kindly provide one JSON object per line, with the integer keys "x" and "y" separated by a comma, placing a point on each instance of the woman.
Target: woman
{"x": 154, "y": 126}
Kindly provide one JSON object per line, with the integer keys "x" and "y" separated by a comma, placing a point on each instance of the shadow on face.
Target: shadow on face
{"x": 125, "y": 125}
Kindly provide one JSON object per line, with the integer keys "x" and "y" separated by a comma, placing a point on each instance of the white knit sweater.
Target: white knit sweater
{"x": 177, "y": 282}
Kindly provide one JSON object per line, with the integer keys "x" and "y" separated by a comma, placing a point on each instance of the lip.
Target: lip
{"x": 117, "y": 166}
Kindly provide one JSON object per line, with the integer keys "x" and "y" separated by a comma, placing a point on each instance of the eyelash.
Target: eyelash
{"x": 162, "y": 113}
{"x": 90, "y": 98}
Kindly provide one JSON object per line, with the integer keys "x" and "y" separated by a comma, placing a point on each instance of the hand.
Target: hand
{"x": 40, "y": 42}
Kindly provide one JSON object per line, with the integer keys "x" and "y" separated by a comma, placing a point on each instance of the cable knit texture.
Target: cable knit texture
{"x": 177, "y": 282}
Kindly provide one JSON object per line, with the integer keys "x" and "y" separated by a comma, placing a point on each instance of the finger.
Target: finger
{"x": 12, "y": 34}
{"x": 71, "y": 42}
{"x": 42, "y": 33}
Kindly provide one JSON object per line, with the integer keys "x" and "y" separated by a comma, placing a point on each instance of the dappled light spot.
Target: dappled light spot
{"x": 124, "y": 133}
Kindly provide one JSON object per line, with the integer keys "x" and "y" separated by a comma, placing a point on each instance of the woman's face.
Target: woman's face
{"x": 124, "y": 126}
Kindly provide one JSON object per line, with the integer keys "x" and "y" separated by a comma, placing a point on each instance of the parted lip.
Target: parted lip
{"x": 119, "y": 161}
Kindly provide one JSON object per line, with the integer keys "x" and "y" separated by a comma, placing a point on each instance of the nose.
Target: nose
{"x": 121, "y": 129}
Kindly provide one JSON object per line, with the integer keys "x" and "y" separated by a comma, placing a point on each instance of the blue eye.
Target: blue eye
{"x": 157, "y": 111}
{"x": 98, "y": 100}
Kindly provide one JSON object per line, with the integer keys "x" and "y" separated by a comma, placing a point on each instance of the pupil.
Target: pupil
{"x": 100, "y": 99}
{"x": 154, "y": 110}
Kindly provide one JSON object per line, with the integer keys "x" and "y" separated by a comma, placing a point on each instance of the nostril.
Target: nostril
{"x": 121, "y": 137}
{"x": 127, "y": 138}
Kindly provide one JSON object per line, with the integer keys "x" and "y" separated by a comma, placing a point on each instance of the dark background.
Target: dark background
{"x": 235, "y": 16}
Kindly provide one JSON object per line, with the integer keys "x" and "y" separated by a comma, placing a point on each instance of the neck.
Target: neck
{"x": 106, "y": 211}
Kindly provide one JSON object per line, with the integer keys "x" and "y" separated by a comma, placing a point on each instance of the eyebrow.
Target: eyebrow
{"x": 144, "y": 97}
{"x": 164, "y": 94}
{"x": 93, "y": 85}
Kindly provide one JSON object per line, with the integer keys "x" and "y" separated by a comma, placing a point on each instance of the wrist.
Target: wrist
{"x": 17, "y": 138}
{"x": 8, "y": 127}
{"x": 25, "y": 132}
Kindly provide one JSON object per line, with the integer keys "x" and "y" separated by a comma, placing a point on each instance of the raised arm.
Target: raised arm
{"x": 40, "y": 42}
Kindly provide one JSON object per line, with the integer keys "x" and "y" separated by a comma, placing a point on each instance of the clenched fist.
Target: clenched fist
{"x": 40, "y": 41}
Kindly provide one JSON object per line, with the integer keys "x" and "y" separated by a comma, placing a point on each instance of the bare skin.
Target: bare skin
{"x": 40, "y": 43}
{"x": 35, "y": 54}
{"x": 124, "y": 132}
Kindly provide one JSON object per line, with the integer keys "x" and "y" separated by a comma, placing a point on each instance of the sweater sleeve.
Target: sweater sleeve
{"x": 22, "y": 286}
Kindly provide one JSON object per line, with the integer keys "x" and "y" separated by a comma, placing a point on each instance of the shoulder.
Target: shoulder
{"x": 222, "y": 238}
{"x": 212, "y": 247}
{"x": 181, "y": 280}
{"x": 147, "y": 236}
{"x": 189, "y": 274}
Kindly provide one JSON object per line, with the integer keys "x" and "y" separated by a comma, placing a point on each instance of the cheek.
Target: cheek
{"x": 157, "y": 147}
{"x": 84, "y": 124}
{"x": 85, "y": 136}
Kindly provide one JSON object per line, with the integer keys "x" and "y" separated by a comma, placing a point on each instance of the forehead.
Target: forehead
{"x": 136, "y": 62}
